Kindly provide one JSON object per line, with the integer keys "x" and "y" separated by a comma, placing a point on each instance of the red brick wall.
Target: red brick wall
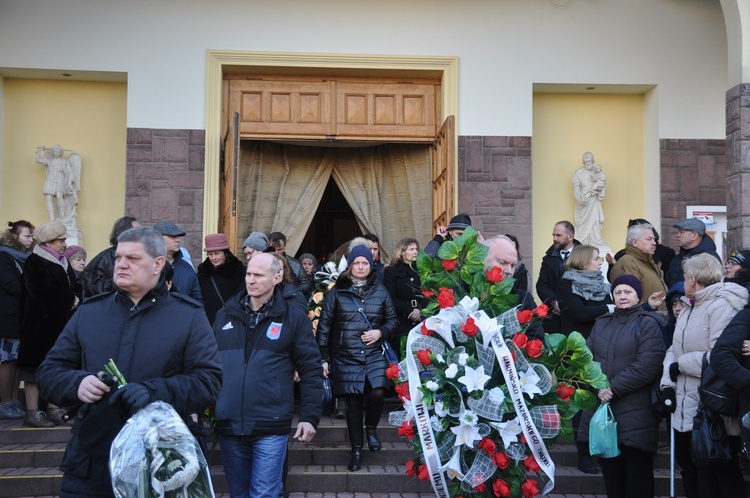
{"x": 165, "y": 180}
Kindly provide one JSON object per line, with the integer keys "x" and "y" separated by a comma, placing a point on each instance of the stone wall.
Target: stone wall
{"x": 693, "y": 172}
{"x": 165, "y": 180}
{"x": 738, "y": 163}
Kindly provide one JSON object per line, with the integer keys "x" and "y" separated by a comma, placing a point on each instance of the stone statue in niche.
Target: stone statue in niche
{"x": 589, "y": 188}
{"x": 63, "y": 182}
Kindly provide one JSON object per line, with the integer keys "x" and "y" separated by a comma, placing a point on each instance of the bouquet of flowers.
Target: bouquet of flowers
{"x": 155, "y": 456}
{"x": 325, "y": 279}
{"x": 482, "y": 400}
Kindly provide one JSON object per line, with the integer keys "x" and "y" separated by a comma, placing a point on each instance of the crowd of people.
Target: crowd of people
{"x": 240, "y": 335}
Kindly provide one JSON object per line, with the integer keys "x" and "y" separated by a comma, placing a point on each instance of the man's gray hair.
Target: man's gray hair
{"x": 152, "y": 240}
{"x": 634, "y": 232}
{"x": 704, "y": 267}
{"x": 276, "y": 266}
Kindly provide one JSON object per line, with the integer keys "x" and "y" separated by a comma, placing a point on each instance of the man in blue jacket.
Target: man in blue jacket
{"x": 185, "y": 279}
{"x": 263, "y": 342}
{"x": 161, "y": 342}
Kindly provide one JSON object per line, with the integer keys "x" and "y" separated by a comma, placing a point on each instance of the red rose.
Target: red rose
{"x": 481, "y": 488}
{"x": 392, "y": 372}
{"x": 525, "y": 316}
{"x": 446, "y": 299}
{"x": 522, "y": 438}
{"x": 403, "y": 390}
{"x": 564, "y": 392}
{"x": 488, "y": 445}
{"x": 449, "y": 264}
{"x": 425, "y": 330}
{"x": 428, "y": 293}
{"x": 530, "y": 463}
{"x": 534, "y": 348}
{"x": 411, "y": 468}
{"x": 529, "y": 489}
{"x": 469, "y": 327}
{"x": 406, "y": 430}
{"x": 423, "y": 355}
{"x": 541, "y": 310}
{"x": 501, "y": 488}
{"x": 551, "y": 420}
{"x": 520, "y": 340}
{"x": 424, "y": 474}
{"x": 495, "y": 275}
{"x": 501, "y": 460}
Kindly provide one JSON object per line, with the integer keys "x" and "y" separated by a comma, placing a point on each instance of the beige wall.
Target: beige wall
{"x": 87, "y": 117}
{"x": 610, "y": 126}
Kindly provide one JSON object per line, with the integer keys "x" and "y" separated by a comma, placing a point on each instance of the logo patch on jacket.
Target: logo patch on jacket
{"x": 228, "y": 326}
{"x": 274, "y": 331}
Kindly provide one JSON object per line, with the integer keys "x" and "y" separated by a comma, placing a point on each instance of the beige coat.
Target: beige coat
{"x": 638, "y": 263}
{"x": 696, "y": 331}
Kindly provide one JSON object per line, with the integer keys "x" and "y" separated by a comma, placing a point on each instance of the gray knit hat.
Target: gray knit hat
{"x": 257, "y": 241}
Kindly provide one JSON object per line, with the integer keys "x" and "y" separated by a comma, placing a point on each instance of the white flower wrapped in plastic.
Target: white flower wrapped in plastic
{"x": 155, "y": 455}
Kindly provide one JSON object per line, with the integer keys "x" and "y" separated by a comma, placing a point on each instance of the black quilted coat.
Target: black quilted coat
{"x": 340, "y": 329}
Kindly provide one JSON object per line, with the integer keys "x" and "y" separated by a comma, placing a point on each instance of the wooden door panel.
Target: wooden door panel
{"x": 271, "y": 108}
{"x": 443, "y": 174}
{"x": 385, "y": 110}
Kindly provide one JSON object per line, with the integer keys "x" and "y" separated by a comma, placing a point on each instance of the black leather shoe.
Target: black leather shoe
{"x": 586, "y": 465}
{"x": 373, "y": 441}
{"x": 356, "y": 461}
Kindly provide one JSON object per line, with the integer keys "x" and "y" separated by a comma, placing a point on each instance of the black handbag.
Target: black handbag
{"x": 708, "y": 442}
{"x": 715, "y": 394}
{"x": 388, "y": 352}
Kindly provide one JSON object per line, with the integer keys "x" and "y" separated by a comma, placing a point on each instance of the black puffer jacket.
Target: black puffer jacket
{"x": 229, "y": 278}
{"x": 340, "y": 329}
{"x": 404, "y": 286}
{"x": 630, "y": 348}
{"x": 675, "y": 273}
{"x": 99, "y": 274}
{"x": 728, "y": 362}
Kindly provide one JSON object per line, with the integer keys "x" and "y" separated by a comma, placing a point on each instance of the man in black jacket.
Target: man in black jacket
{"x": 263, "y": 341}
{"x": 161, "y": 342}
{"x": 692, "y": 239}
{"x": 563, "y": 242}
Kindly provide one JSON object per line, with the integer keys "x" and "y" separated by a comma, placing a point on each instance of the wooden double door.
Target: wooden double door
{"x": 320, "y": 110}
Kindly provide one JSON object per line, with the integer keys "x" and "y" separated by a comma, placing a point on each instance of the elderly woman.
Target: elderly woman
{"x": 220, "y": 275}
{"x": 403, "y": 284}
{"x": 309, "y": 264}
{"x": 15, "y": 247}
{"x": 76, "y": 256}
{"x": 630, "y": 348}
{"x": 715, "y": 303}
{"x": 357, "y": 316}
{"x": 48, "y": 301}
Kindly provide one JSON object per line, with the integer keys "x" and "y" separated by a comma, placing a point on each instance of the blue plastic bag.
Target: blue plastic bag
{"x": 603, "y": 433}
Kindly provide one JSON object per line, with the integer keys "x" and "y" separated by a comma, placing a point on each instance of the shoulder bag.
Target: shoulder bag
{"x": 715, "y": 393}
{"x": 390, "y": 355}
{"x": 709, "y": 446}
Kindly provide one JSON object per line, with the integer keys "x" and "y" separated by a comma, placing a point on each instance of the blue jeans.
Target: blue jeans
{"x": 253, "y": 468}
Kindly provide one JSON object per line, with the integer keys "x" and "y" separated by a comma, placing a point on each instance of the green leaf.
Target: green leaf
{"x": 585, "y": 400}
{"x": 576, "y": 341}
{"x": 475, "y": 258}
{"x": 424, "y": 262}
{"x": 448, "y": 250}
{"x": 467, "y": 276}
{"x": 557, "y": 343}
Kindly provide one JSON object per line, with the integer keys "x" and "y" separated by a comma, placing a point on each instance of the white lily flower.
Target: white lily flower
{"x": 509, "y": 430}
{"x": 453, "y": 467}
{"x": 463, "y": 358}
{"x": 437, "y": 423}
{"x": 441, "y": 327}
{"x": 474, "y": 380}
{"x": 439, "y": 358}
{"x": 529, "y": 380}
{"x": 440, "y": 409}
{"x": 487, "y": 325}
{"x": 467, "y": 432}
{"x": 451, "y": 371}
{"x": 432, "y": 385}
{"x": 470, "y": 304}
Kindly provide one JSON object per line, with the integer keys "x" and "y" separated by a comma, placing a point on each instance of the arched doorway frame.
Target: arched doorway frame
{"x": 218, "y": 62}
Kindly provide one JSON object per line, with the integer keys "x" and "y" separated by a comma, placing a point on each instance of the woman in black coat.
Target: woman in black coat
{"x": 403, "y": 284}
{"x": 47, "y": 302}
{"x": 15, "y": 247}
{"x": 582, "y": 294}
{"x": 353, "y": 344}
{"x": 220, "y": 275}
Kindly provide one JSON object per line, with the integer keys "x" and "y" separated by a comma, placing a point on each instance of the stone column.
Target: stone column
{"x": 738, "y": 167}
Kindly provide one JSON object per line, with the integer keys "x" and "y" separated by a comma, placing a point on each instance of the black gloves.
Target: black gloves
{"x": 666, "y": 403}
{"x": 674, "y": 371}
{"x": 132, "y": 397}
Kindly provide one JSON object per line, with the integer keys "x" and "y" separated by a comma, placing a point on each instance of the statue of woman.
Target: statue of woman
{"x": 63, "y": 182}
{"x": 589, "y": 188}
